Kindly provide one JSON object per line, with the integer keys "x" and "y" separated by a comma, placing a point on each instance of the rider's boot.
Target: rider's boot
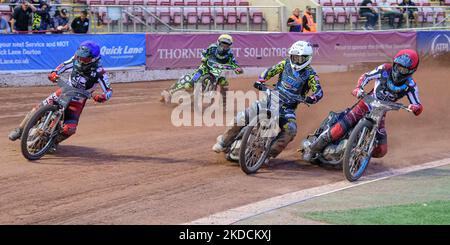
{"x": 17, "y": 132}
{"x": 58, "y": 139}
{"x": 219, "y": 146}
{"x": 165, "y": 97}
{"x": 317, "y": 145}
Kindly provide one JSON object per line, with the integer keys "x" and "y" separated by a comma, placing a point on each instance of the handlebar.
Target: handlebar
{"x": 220, "y": 66}
{"x": 69, "y": 89}
{"x": 269, "y": 91}
{"x": 369, "y": 99}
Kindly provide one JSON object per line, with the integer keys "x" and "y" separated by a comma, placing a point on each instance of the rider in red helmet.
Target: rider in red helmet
{"x": 392, "y": 82}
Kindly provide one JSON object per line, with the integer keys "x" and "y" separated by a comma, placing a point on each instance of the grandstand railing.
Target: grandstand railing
{"x": 178, "y": 18}
{"x": 347, "y": 18}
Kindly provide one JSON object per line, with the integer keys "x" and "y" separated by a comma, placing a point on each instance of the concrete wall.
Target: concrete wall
{"x": 136, "y": 75}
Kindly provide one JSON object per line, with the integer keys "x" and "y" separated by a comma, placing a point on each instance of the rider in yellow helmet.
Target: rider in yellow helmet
{"x": 219, "y": 52}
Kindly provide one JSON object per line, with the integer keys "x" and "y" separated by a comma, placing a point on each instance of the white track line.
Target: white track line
{"x": 237, "y": 214}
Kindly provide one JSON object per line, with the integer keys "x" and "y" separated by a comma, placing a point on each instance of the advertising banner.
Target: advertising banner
{"x": 175, "y": 51}
{"x": 433, "y": 43}
{"x": 45, "y": 52}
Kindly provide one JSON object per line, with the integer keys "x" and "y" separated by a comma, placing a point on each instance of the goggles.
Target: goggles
{"x": 299, "y": 59}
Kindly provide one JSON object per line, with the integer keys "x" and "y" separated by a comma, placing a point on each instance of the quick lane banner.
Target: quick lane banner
{"x": 175, "y": 51}
{"x": 45, "y": 52}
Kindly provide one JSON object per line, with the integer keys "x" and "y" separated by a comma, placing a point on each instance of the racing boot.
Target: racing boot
{"x": 17, "y": 132}
{"x": 165, "y": 97}
{"x": 219, "y": 146}
{"x": 58, "y": 139}
{"x": 316, "y": 146}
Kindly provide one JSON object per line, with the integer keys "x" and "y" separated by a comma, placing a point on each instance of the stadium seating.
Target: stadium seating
{"x": 184, "y": 12}
{"x": 340, "y": 12}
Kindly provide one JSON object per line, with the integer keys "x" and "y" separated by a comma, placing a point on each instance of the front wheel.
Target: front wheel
{"x": 206, "y": 89}
{"x": 37, "y": 136}
{"x": 357, "y": 153}
{"x": 254, "y": 148}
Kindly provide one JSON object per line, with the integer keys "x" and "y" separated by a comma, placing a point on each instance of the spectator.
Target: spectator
{"x": 80, "y": 24}
{"x": 4, "y": 26}
{"x": 60, "y": 21}
{"x": 370, "y": 13}
{"x": 295, "y": 22}
{"x": 410, "y": 12}
{"x": 52, "y": 6}
{"x": 21, "y": 16}
{"x": 41, "y": 18}
{"x": 308, "y": 21}
{"x": 391, "y": 13}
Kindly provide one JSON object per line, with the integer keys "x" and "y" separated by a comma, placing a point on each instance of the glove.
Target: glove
{"x": 238, "y": 70}
{"x": 99, "y": 98}
{"x": 53, "y": 76}
{"x": 259, "y": 85}
{"x": 311, "y": 100}
{"x": 358, "y": 92}
{"x": 416, "y": 108}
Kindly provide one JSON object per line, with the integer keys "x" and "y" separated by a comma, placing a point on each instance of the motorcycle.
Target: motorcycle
{"x": 206, "y": 84}
{"x": 46, "y": 123}
{"x": 251, "y": 147}
{"x": 354, "y": 150}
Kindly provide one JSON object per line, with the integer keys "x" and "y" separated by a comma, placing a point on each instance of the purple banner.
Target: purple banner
{"x": 175, "y": 51}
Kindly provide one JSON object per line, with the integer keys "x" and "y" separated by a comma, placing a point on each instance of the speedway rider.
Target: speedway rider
{"x": 87, "y": 73}
{"x": 219, "y": 52}
{"x": 392, "y": 82}
{"x": 296, "y": 78}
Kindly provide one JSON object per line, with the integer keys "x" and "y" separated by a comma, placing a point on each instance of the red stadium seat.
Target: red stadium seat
{"x": 257, "y": 17}
{"x": 230, "y": 3}
{"x": 205, "y": 15}
{"x": 192, "y": 3}
{"x": 109, "y": 2}
{"x": 217, "y": 2}
{"x": 205, "y": 2}
{"x": 164, "y": 2}
{"x": 123, "y": 2}
{"x": 243, "y": 3}
{"x": 137, "y": 2}
{"x": 178, "y": 3}
{"x": 231, "y": 15}
{"x": 191, "y": 15}
{"x": 176, "y": 15}
{"x": 94, "y": 2}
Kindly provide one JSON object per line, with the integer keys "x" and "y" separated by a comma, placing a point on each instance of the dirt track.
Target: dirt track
{"x": 127, "y": 164}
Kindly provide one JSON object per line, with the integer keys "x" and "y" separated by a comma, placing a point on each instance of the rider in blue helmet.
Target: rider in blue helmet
{"x": 87, "y": 73}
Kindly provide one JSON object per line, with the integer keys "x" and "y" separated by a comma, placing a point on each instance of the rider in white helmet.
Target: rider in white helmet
{"x": 296, "y": 78}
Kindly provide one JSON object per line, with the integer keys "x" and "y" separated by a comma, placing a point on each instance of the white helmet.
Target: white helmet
{"x": 300, "y": 55}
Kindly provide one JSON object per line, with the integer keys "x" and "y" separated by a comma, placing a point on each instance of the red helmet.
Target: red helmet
{"x": 404, "y": 65}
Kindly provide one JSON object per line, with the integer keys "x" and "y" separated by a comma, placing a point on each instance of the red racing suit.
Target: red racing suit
{"x": 384, "y": 90}
{"x": 88, "y": 81}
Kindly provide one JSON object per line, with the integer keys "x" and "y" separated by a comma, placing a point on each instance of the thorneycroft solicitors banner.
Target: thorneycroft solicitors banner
{"x": 46, "y": 52}
{"x": 175, "y": 51}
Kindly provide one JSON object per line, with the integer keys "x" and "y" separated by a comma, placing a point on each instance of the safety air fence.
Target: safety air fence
{"x": 40, "y": 53}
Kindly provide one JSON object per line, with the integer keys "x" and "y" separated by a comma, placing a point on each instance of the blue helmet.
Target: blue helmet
{"x": 87, "y": 55}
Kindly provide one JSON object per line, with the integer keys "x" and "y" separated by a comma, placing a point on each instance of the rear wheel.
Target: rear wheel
{"x": 36, "y": 138}
{"x": 357, "y": 155}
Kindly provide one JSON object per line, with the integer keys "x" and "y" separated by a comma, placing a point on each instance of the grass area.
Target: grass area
{"x": 430, "y": 213}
